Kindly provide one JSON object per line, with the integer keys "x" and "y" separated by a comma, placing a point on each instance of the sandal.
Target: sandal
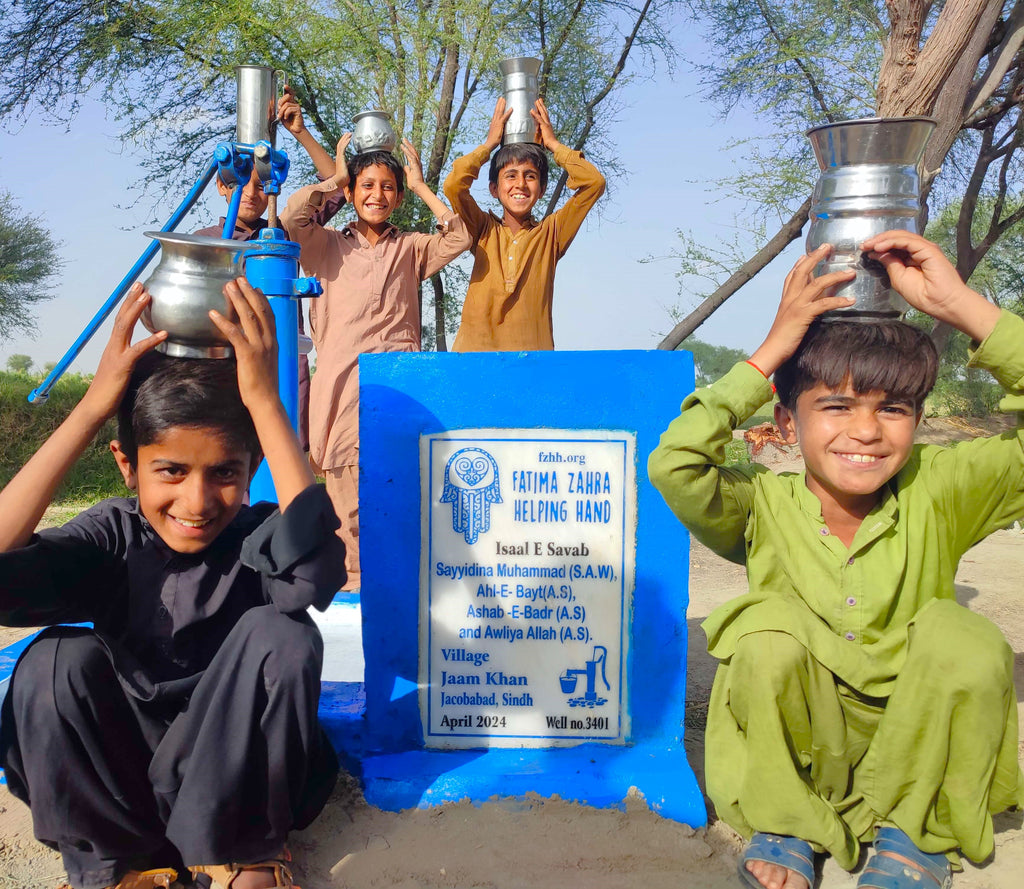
{"x": 921, "y": 870}
{"x": 224, "y": 875}
{"x": 159, "y": 878}
{"x": 789, "y": 852}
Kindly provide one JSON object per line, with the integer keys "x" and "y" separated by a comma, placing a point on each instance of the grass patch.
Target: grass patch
{"x": 24, "y": 427}
{"x": 736, "y": 452}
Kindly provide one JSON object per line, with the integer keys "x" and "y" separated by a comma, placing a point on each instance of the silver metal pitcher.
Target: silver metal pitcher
{"x": 372, "y": 131}
{"x": 256, "y": 104}
{"x": 869, "y": 184}
{"x": 185, "y": 285}
{"x": 521, "y": 87}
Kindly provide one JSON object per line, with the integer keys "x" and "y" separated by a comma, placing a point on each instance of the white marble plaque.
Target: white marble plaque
{"x": 529, "y": 539}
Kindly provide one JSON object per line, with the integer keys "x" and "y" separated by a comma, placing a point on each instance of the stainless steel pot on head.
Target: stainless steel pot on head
{"x": 189, "y": 281}
{"x": 372, "y": 131}
{"x": 869, "y": 184}
{"x": 521, "y": 87}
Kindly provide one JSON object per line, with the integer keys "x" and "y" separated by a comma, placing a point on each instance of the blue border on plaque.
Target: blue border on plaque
{"x": 404, "y": 396}
{"x": 624, "y": 580}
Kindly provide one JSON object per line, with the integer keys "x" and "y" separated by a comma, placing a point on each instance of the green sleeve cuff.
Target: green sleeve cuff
{"x": 1002, "y": 352}
{"x": 743, "y": 388}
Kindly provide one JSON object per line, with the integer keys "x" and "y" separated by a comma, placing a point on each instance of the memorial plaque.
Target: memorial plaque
{"x": 527, "y": 575}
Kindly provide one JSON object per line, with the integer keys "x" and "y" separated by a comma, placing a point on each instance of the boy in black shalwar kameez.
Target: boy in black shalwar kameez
{"x": 181, "y": 732}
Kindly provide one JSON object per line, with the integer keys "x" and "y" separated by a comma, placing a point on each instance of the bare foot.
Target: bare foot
{"x": 774, "y": 876}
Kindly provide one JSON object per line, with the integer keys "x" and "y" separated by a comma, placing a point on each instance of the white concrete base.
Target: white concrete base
{"x": 341, "y": 627}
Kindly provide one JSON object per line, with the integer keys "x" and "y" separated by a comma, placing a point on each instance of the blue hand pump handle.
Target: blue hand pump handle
{"x": 41, "y": 393}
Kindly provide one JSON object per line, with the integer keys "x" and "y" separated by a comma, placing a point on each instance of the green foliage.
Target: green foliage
{"x": 711, "y": 362}
{"x": 999, "y": 274}
{"x": 167, "y": 69}
{"x": 961, "y": 390}
{"x": 19, "y": 364}
{"x": 28, "y": 258}
{"x": 24, "y": 427}
{"x": 793, "y": 64}
{"x": 966, "y": 395}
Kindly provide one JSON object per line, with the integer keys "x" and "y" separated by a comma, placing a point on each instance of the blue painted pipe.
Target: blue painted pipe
{"x": 42, "y": 392}
{"x": 232, "y": 218}
{"x": 272, "y": 266}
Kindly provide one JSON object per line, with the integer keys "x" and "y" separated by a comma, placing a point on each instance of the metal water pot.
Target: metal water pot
{"x": 869, "y": 184}
{"x": 185, "y": 285}
{"x": 256, "y": 104}
{"x": 521, "y": 87}
{"x": 372, "y": 131}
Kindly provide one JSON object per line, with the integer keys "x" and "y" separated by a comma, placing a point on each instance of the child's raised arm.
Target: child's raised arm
{"x": 920, "y": 272}
{"x": 24, "y": 500}
{"x": 289, "y": 112}
{"x": 414, "y": 182}
{"x": 254, "y": 340}
{"x": 496, "y": 128}
{"x": 804, "y": 298}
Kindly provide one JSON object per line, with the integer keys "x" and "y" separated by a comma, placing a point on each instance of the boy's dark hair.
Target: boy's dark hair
{"x": 164, "y": 393}
{"x": 360, "y": 162}
{"x": 876, "y": 356}
{"x": 517, "y": 152}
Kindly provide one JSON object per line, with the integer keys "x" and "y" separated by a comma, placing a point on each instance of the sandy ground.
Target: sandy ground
{"x": 553, "y": 844}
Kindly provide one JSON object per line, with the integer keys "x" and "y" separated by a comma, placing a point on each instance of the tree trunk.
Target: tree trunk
{"x": 785, "y": 236}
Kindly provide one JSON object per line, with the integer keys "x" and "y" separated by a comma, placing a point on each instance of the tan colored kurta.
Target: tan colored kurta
{"x": 508, "y": 304}
{"x": 370, "y": 303}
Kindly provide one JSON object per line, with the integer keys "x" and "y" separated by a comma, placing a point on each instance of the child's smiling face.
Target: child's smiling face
{"x": 518, "y": 188}
{"x": 374, "y": 195}
{"x": 852, "y": 443}
{"x": 191, "y": 483}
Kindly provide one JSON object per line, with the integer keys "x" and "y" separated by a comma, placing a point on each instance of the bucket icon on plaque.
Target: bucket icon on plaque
{"x": 471, "y": 486}
{"x": 570, "y": 678}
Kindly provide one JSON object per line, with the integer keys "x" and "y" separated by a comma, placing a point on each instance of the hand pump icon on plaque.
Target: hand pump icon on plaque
{"x": 570, "y": 678}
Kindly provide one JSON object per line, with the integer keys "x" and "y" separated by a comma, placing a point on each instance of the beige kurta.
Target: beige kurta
{"x": 370, "y": 303}
{"x": 508, "y": 303}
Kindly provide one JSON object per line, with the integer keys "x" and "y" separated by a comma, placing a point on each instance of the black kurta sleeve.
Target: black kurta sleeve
{"x": 68, "y": 574}
{"x": 298, "y": 554}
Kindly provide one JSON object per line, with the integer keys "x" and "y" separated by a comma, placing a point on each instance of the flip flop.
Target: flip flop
{"x": 789, "y": 852}
{"x": 926, "y": 871}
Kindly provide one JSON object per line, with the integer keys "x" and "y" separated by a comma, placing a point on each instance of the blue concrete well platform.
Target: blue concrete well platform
{"x": 409, "y": 402}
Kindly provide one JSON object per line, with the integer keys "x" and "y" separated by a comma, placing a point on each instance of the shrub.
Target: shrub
{"x": 24, "y": 427}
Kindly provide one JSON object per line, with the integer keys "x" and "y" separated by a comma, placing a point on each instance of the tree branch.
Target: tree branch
{"x": 785, "y": 236}
{"x": 590, "y": 107}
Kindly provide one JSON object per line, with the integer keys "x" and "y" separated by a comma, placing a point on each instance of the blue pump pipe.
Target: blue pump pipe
{"x": 42, "y": 392}
{"x": 272, "y": 265}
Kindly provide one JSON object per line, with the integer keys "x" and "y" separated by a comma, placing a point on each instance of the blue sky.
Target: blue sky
{"x": 80, "y": 183}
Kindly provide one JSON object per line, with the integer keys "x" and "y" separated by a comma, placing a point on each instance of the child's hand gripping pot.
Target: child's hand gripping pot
{"x": 254, "y": 339}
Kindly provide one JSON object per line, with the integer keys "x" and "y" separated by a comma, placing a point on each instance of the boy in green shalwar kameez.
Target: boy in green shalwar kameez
{"x": 856, "y": 701}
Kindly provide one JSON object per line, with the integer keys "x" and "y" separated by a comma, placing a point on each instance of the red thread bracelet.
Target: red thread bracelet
{"x": 763, "y": 374}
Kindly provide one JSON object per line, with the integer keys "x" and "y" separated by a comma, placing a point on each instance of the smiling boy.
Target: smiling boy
{"x": 179, "y": 733}
{"x": 512, "y": 287}
{"x": 371, "y": 273}
{"x": 856, "y": 701}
